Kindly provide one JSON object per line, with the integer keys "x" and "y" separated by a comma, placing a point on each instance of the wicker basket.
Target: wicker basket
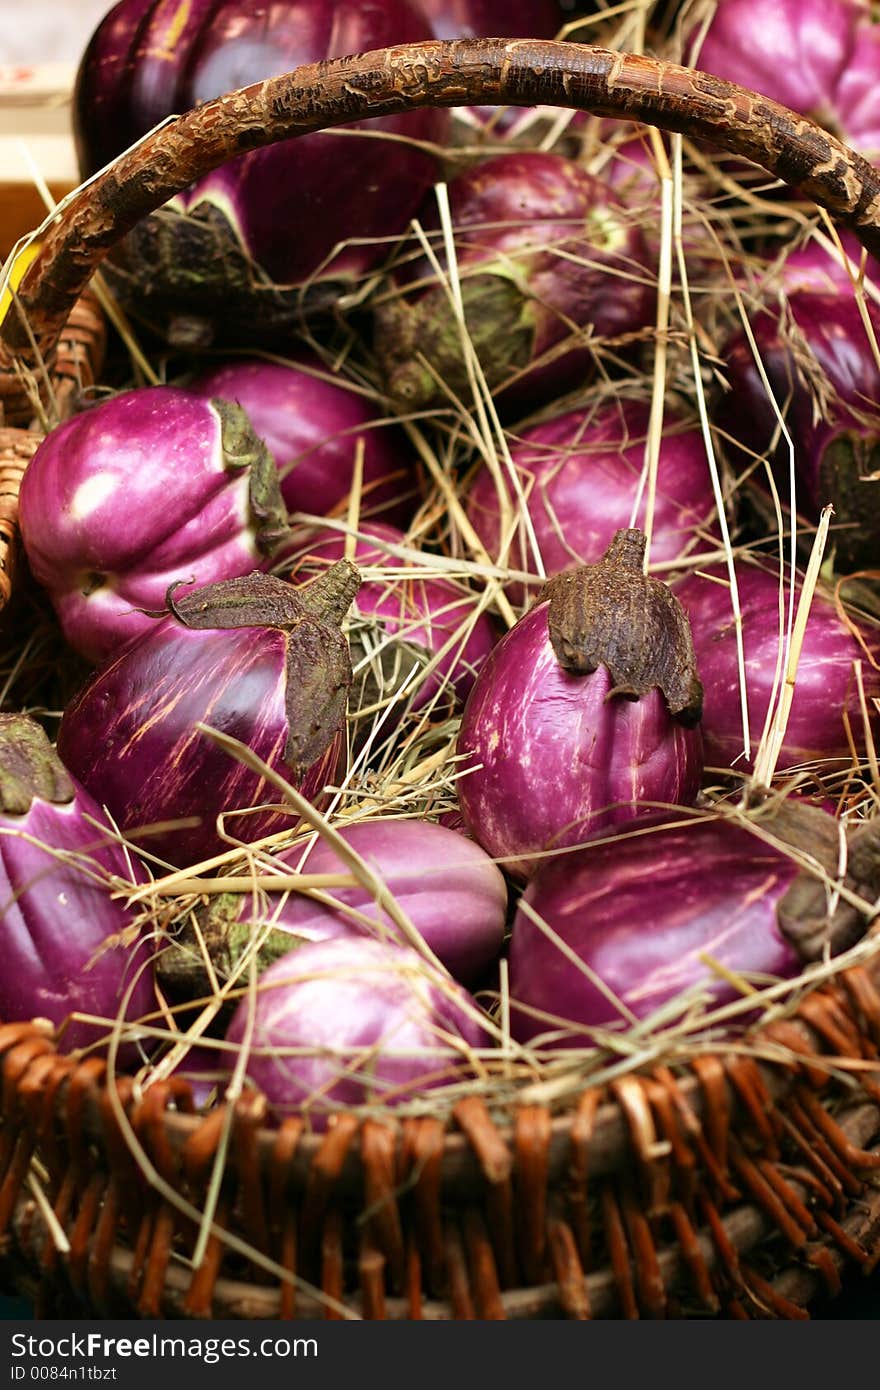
{"x": 735, "y": 1183}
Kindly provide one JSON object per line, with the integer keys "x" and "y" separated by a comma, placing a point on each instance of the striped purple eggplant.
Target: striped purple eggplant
{"x": 811, "y": 267}
{"x": 245, "y": 250}
{"x": 631, "y": 166}
{"x": 820, "y": 57}
{"x": 820, "y": 364}
{"x": 150, "y": 488}
{"x": 401, "y": 624}
{"x": 481, "y": 19}
{"x": 544, "y": 253}
{"x": 579, "y": 474}
{"x": 353, "y": 1022}
{"x": 637, "y": 921}
{"x": 826, "y": 721}
{"x": 448, "y": 887}
{"x": 313, "y": 425}
{"x": 250, "y": 658}
{"x": 584, "y": 714}
{"x": 68, "y": 943}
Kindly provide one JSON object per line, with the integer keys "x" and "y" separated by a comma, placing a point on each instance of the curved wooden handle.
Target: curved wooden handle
{"x": 512, "y": 72}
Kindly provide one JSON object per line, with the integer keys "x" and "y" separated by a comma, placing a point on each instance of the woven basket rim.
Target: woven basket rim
{"x": 612, "y": 1125}
{"x": 745, "y": 1227}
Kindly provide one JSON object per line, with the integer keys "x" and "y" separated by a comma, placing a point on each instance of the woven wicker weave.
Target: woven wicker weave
{"x": 730, "y": 1185}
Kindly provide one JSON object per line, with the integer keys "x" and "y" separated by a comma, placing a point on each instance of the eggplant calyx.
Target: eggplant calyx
{"x": 29, "y": 767}
{"x": 222, "y": 939}
{"x": 810, "y": 914}
{"x": 332, "y": 593}
{"x": 189, "y": 277}
{"x": 612, "y": 614}
{"x": 318, "y": 663}
{"x": 244, "y": 450}
{"x": 419, "y": 345}
{"x": 383, "y": 665}
{"x": 848, "y": 466}
{"x": 264, "y": 600}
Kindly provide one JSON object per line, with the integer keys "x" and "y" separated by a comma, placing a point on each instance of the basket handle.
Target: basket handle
{"x": 512, "y": 72}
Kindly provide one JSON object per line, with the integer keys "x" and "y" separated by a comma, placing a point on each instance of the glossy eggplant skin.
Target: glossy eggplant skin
{"x": 517, "y": 19}
{"x": 545, "y": 252}
{"x": 449, "y": 888}
{"x": 826, "y": 711}
{"x": 820, "y": 57}
{"x": 152, "y": 487}
{"x": 313, "y": 427}
{"x": 821, "y": 368}
{"x": 290, "y": 205}
{"x": 550, "y": 760}
{"x": 423, "y": 618}
{"x": 811, "y": 267}
{"x": 66, "y": 933}
{"x": 57, "y": 918}
{"x": 641, "y": 912}
{"x": 357, "y": 1014}
{"x": 130, "y": 736}
{"x": 579, "y": 473}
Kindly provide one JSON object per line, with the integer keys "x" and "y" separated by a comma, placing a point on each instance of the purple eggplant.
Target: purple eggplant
{"x": 69, "y": 945}
{"x": 150, "y": 488}
{"x": 249, "y": 246}
{"x": 637, "y": 920}
{"x": 354, "y": 1022}
{"x": 312, "y": 427}
{"x": 447, "y": 886}
{"x": 811, "y": 267}
{"x": 583, "y": 715}
{"x": 580, "y": 475}
{"x": 481, "y": 19}
{"x": 545, "y": 253}
{"x": 405, "y": 624}
{"x": 631, "y": 166}
{"x": 820, "y": 57}
{"x": 253, "y": 659}
{"x": 821, "y": 368}
{"x": 826, "y": 698}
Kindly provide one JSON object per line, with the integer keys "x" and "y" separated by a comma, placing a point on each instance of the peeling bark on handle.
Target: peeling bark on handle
{"x": 514, "y": 72}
